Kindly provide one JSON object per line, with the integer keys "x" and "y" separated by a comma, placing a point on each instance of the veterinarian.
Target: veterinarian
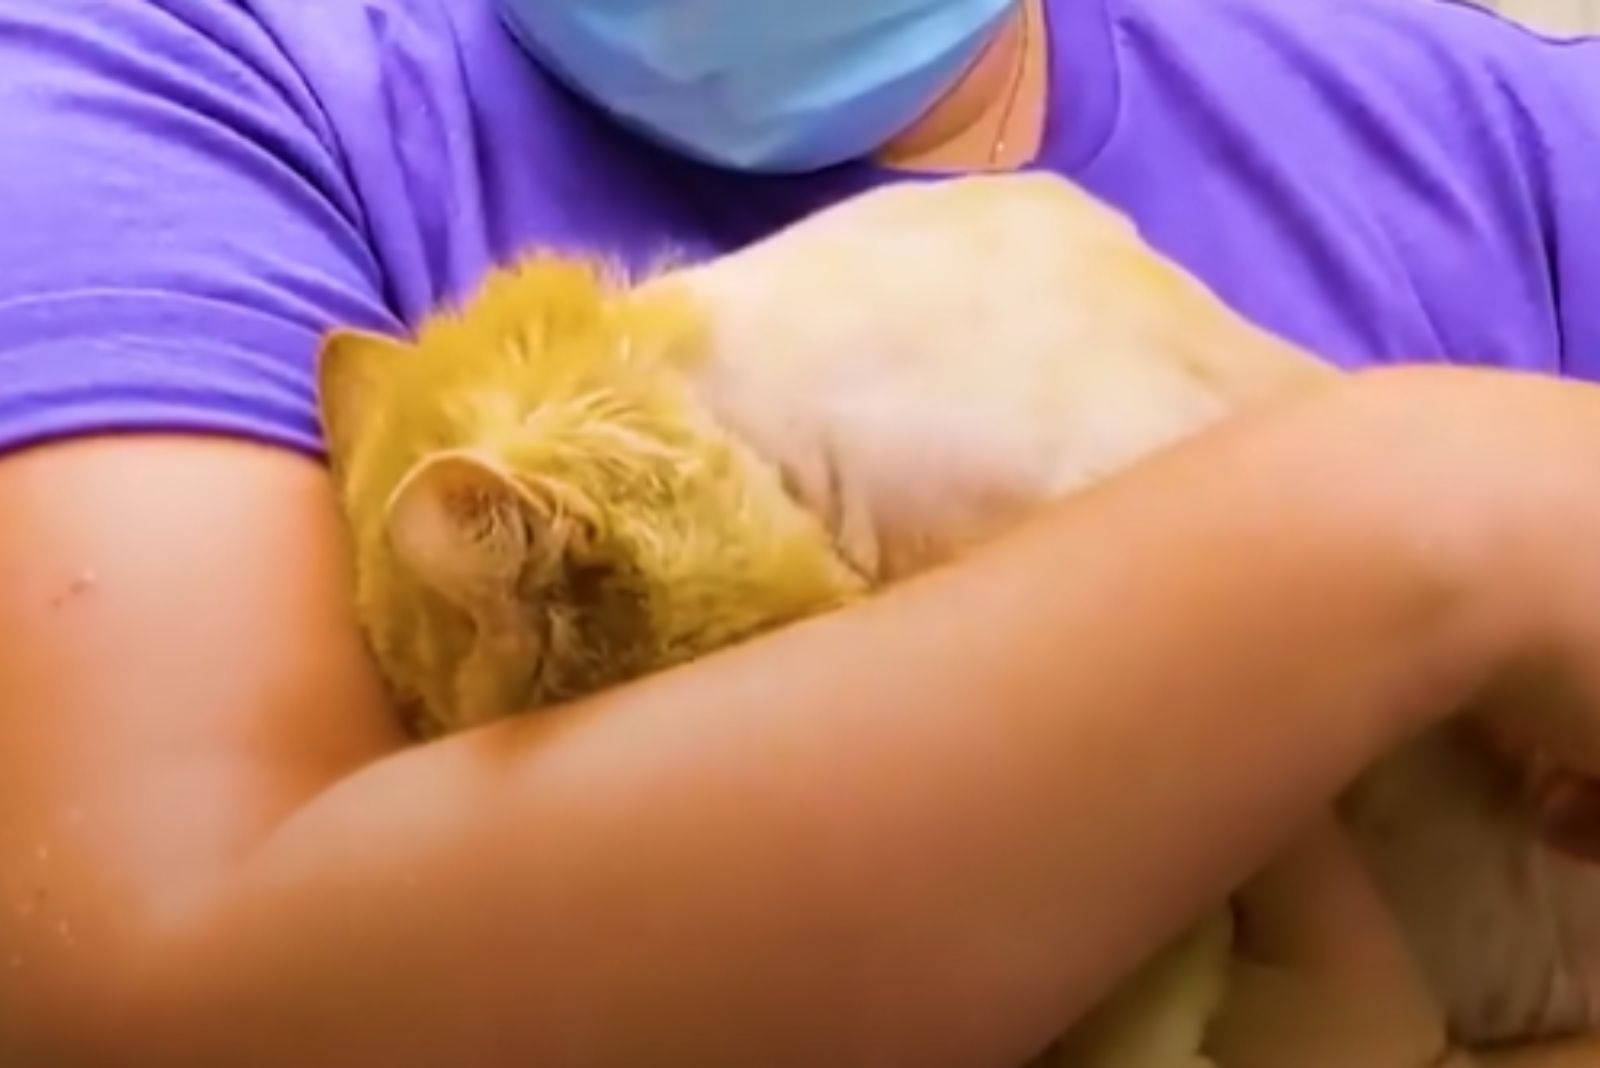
{"x": 928, "y": 831}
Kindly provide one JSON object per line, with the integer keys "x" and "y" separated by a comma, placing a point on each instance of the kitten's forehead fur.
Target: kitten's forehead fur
{"x": 538, "y": 504}
{"x": 494, "y": 350}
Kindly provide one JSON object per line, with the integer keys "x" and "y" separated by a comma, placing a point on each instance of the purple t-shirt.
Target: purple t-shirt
{"x": 191, "y": 191}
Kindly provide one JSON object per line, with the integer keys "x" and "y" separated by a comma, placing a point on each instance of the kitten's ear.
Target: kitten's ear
{"x": 463, "y": 528}
{"x": 467, "y": 529}
{"x": 349, "y": 364}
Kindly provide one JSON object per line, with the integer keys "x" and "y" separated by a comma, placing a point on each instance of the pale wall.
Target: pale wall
{"x": 1556, "y": 16}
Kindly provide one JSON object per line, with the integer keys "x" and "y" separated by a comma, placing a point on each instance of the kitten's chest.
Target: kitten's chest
{"x": 1507, "y": 933}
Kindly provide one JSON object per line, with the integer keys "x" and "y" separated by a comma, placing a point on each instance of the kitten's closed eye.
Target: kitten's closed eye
{"x": 586, "y": 581}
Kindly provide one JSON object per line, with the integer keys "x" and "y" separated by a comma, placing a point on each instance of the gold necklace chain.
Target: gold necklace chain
{"x": 1014, "y": 91}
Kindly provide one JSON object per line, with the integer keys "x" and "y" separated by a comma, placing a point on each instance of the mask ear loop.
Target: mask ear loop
{"x": 982, "y": 136}
{"x": 1019, "y": 74}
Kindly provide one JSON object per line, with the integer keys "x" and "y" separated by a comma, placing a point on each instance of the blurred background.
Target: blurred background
{"x": 1552, "y": 16}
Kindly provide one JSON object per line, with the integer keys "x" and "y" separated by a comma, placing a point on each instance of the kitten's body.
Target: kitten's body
{"x": 541, "y": 508}
{"x": 1136, "y": 355}
{"x": 1506, "y": 932}
{"x": 483, "y": 552}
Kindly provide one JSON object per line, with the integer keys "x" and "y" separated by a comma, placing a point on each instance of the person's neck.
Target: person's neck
{"x": 993, "y": 118}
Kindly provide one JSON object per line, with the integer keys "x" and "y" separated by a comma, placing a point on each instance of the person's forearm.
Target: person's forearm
{"x": 925, "y": 831}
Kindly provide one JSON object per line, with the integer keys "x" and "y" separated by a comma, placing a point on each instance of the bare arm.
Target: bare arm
{"x": 1574, "y": 1053}
{"x": 214, "y": 848}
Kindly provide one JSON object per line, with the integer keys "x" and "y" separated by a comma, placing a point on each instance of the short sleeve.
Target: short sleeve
{"x": 1566, "y": 152}
{"x": 176, "y": 230}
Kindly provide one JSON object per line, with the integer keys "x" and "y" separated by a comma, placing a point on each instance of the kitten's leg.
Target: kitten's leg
{"x": 1323, "y": 977}
{"x": 1276, "y": 1018}
{"x": 1159, "y": 1018}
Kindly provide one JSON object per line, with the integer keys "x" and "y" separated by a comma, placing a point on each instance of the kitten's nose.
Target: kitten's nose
{"x": 1566, "y": 815}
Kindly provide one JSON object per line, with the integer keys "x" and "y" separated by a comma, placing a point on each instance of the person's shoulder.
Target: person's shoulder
{"x": 186, "y": 37}
{"x": 1421, "y": 87}
{"x": 1414, "y": 78}
{"x": 1385, "y": 43}
{"x": 180, "y": 225}
{"x": 1426, "y": 161}
{"x": 214, "y": 56}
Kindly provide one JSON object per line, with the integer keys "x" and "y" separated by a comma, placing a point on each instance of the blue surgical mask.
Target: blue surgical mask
{"x": 775, "y": 86}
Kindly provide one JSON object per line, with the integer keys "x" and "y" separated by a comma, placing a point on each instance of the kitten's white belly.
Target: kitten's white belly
{"x": 1507, "y": 933}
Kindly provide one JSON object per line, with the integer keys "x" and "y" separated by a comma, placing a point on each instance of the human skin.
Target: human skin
{"x": 218, "y": 848}
{"x": 962, "y": 132}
